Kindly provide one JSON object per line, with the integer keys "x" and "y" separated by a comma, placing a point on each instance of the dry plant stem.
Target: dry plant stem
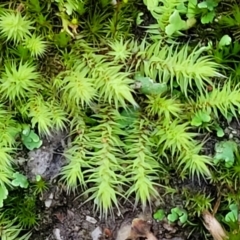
{"x": 213, "y": 226}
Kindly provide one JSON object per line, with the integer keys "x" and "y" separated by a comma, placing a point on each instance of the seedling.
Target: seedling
{"x": 178, "y": 214}
{"x": 203, "y": 119}
{"x": 159, "y": 215}
{"x": 232, "y": 216}
{"x": 40, "y": 185}
{"x": 200, "y": 118}
{"x": 139, "y": 19}
{"x": 224, "y": 41}
{"x": 30, "y": 139}
{"x": 208, "y": 13}
{"x": 20, "y": 180}
{"x": 225, "y": 152}
{"x": 175, "y": 24}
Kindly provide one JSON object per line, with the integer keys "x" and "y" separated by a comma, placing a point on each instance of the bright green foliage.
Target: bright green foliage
{"x": 119, "y": 51}
{"x": 113, "y": 85}
{"x": 45, "y": 115}
{"x": 6, "y": 170}
{"x": 200, "y": 118}
{"x": 232, "y": 216}
{"x": 3, "y": 194}
{"x": 208, "y": 13}
{"x": 133, "y": 105}
{"x": 29, "y": 138}
{"x": 194, "y": 163}
{"x": 78, "y": 86}
{"x": 9, "y": 127}
{"x": 36, "y": 45}
{"x": 159, "y": 215}
{"x": 143, "y": 167}
{"x": 106, "y": 172}
{"x": 18, "y": 81}
{"x": 162, "y": 10}
{"x": 164, "y": 108}
{"x": 20, "y": 180}
{"x": 72, "y": 174}
{"x": 199, "y": 202}
{"x": 186, "y": 69}
{"x": 178, "y": 214}
{"x": 224, "y": 41}
{"x": 175, "y": 24}
{"x": 204, "y": 120}
{"x": 224, "y": 99}
{"x": 175, "y": 137}
{"x": 14, "y": 26}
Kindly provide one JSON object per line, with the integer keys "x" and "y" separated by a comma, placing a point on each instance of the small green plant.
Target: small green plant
{"x": 168, "y": 15}
{"x": 176, "y": 214}
{"x": 176, "y": 24}
{"x": 29, "y": 138}
{"x": 196, "y": 203}
{"x": 18, "y": 81}
{"x": 159, "y": 215}
{"x": 232, "y": 216}
{"x": 20, "y": 180}
{"x": 224, "y": 41}
{"x": 225, "y": 151}
{"x": 178, "y": 66}
{"x": 208, "y": 10}
{"x": 36, "y": 45}
{"x": 39, "y": 186}
{"x": 14, "y": 26}
{"x": 200, "y": 118}
{"x": 136, "y": 104}
{"x": 203, "y": 119}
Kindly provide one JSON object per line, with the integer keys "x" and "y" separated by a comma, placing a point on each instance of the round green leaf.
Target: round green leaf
{"x": 19, "y": 180}
{"x": 159, "y": 215}
{"x": 172, "y": 217}
{"x": 225, "y": 41}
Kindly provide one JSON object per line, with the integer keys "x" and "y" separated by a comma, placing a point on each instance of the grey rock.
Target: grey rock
{"x": 45, "y": 161}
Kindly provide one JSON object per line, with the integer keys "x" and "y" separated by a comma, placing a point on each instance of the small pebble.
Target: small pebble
{"x": 91, "y": 219}
{"x": 56, "y": 233}
{"x": 96, "y": 233}
{"x": 48, "y": 202}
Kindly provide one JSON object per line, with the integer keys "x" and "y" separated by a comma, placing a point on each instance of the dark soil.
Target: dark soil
{"x": 70, "y": 217}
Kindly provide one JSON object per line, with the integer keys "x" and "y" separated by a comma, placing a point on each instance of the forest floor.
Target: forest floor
{"x": 67, "y": 217}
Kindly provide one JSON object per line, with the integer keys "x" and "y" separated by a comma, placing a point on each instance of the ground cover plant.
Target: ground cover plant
{"x": 141, "y": 87}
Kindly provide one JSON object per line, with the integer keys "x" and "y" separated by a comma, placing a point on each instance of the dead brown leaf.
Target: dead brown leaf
{"x": 140, "y": 228}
